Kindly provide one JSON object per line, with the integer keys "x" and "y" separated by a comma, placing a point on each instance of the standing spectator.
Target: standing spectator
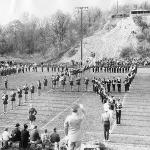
{"x": 118, "y": 107}
{"x": 25, "y": 137}
{"x": 72, "y": 127}
{"x": 106, "y": 119}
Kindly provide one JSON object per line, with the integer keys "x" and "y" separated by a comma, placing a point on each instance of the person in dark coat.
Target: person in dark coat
{"x": 55, "y": 138}
{"x": 25, "y": 137}
{"x": 16, "y": 134}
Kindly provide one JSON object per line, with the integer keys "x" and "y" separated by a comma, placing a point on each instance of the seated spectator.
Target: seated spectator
{"x": 35, "y": 136}
{"x": 55, "y": 139}
{"x": 16, "y": 134}
{"x": 25, "y": 137}
{"x": 5, "y": 138}
{"x": 45, "y": 137}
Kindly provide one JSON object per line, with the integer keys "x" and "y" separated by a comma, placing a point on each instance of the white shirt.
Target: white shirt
{"x": 5, "y": 135}
{"x": 73, "y": 125}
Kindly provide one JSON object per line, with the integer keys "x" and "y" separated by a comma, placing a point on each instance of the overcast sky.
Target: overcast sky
{"x": 10, "y": 9}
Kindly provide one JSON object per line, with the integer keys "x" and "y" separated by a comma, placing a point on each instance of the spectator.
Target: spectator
{"x": 55, "y": 138}
{"x": 35, "y": 136}
{"x": 25, "y": 137}
{"x": 45, "y": 137}
{"x": 5, "y": 138}
{"x": 16, "y": 134}
{"x": 72, "y": 127}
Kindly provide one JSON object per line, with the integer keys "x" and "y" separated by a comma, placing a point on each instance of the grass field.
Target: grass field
{"x": 54, "y": 106}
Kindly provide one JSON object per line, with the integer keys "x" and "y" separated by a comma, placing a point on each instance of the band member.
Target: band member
{"x": 45, "y": 82}
{"x": 118, "y": 107}
{"x": 108, "y": 82}
{"x": 19, "y": 91}
{"x": 126, "y": 84}
{"x": 32, "y": 114}
{"x": 42, "y": 67}
{"x": 53, "y": 82}
{"x": 6, "y": 82}
{"x": 47, "y": 67}
{"x": 5, "y": 102}
{"x": 39, "y": 87}
{"x": 93, "y": 81}
{"x": 32, "y": 90}
{"x": 86, "y": 81}
{"x": 113, "y": 83}
{"x": 71, "y": 83}
{"x": 119, "y": 84}
{"x": 26, "y": 89}
{"x": 57, "y": 79}
{"x": 63, "y": 81}
{"x": 78, "y": 82}
{"x": 13, "y": 99}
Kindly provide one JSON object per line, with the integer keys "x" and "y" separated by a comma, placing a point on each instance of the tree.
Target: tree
{"x": 127, "y": 52}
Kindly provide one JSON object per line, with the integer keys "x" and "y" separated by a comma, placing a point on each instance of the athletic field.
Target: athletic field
{"x": 54, "y": 105}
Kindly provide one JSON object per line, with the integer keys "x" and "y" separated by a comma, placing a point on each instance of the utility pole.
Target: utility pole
{"x": 117, "y": 6}
{"x": 80, "y": 9}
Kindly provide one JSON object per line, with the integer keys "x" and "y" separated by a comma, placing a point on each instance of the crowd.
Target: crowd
{"x": 29, "y": 139}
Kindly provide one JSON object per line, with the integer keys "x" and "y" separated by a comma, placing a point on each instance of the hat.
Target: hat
{"x": 25, "y": 126}
{"x": 75, "y": 107}
{"x": 17, "y": 125}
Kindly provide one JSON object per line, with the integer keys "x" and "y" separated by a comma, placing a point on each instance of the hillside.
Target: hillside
{"x": 107, "y": 42}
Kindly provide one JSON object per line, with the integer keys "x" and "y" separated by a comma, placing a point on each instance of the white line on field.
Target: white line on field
{"x": 61, "y": 113}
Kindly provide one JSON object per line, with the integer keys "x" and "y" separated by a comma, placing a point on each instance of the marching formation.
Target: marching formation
{"x": 67, "y": 79}
{"x": 109, "y": 102}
